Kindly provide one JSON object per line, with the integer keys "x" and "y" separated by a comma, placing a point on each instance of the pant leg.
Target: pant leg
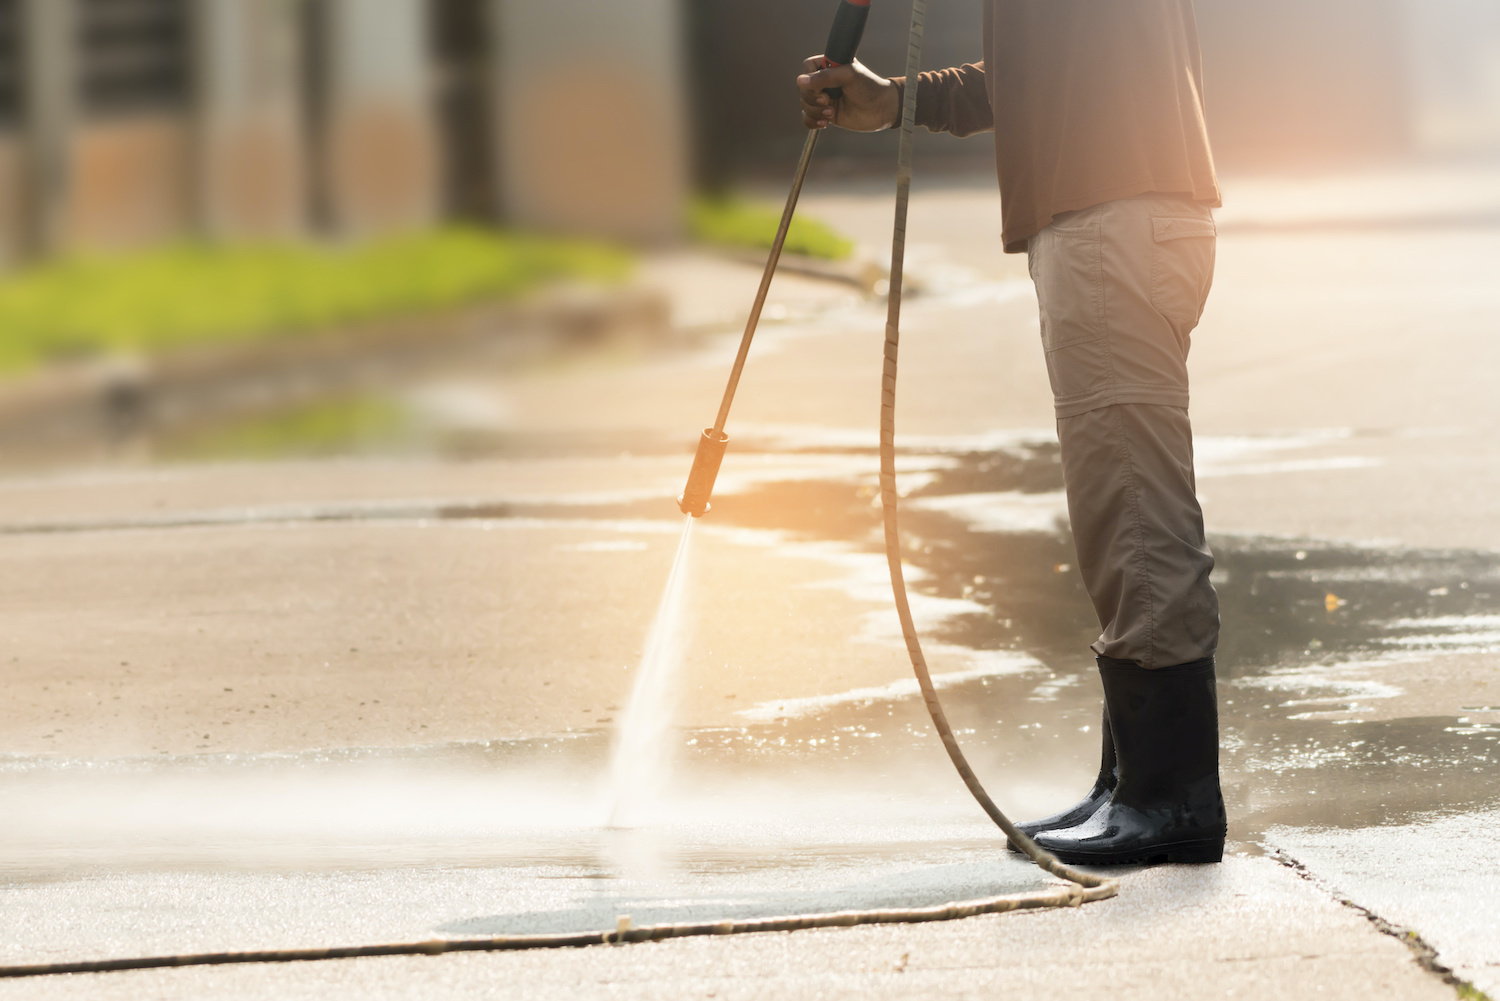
{"x": 1120, "y": 287}
{"x": 1138, "y": 530}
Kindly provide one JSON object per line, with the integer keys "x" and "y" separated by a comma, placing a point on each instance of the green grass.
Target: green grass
{"x": 194, "y": 294}
{"x": 732, "y": 222}
{"x": 329, "y": 427}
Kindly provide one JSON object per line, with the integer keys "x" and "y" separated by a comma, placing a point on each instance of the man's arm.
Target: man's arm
{"x": 949, "y": 100}
{"x": 953, "y": 100}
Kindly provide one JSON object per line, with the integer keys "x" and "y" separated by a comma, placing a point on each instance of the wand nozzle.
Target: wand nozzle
{"x": 700, "y": 483}
{"x": 843, "y": 42}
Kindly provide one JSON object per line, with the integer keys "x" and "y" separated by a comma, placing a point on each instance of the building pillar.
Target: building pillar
{"x": 380, "y": 153}
{"x": 250, "y": 163}
{"x": 592, "y": 121}
{"x": 50, "y": 95}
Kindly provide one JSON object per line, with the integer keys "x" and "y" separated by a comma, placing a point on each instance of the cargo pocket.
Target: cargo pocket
{"x": 1067, "y": 267}
{"x": 1182, "y": 269}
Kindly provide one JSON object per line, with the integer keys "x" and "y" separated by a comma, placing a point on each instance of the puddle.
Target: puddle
{"x": 1317, "y": 637}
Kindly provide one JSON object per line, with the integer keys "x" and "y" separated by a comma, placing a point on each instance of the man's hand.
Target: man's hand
{"x": 868, "y": 104}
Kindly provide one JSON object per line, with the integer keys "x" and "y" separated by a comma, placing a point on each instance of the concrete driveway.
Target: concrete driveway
{"x": 282, "y": 703}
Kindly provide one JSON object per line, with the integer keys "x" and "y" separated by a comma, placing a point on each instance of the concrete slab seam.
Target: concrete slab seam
{"x": 1423, "y": 953}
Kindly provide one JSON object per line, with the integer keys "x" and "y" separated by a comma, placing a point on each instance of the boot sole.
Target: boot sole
{"x": 1200, "y": 851}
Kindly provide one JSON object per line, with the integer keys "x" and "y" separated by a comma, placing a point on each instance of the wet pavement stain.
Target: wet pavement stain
{"x": 1300, "y": 617}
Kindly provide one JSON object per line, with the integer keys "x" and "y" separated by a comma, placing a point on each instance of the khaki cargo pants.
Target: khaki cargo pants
{"x": 1121, "y": 286}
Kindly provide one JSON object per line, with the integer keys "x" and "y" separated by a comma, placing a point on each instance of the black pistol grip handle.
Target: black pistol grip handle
{"x": 843, "y": 37}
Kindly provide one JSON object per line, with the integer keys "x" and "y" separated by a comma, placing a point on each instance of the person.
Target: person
{"x": 1106, "y": 181}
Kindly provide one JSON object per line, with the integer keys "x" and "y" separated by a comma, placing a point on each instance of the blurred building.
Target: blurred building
{"x": 747, "y": 53}
{"x": 1294, "y": 83}
{"x": 1290, "y": 84}
{"x": 595, "y": 133}
{"x": 131, "y": 122}
{"x": 1297, "y": 83}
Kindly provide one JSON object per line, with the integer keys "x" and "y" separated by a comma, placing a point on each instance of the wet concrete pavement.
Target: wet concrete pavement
{"x": 307, "y": 702}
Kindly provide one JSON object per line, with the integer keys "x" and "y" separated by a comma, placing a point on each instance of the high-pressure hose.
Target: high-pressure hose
{"x": 1095, "y": 887}
{"x": 1084, "y": 887}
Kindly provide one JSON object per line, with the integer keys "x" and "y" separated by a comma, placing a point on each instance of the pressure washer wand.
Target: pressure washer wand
{"x": 843, "y": 43}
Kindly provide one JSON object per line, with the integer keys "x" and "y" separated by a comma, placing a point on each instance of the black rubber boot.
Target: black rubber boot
{"x": 1076, "y": 814}
{"x": 1167, "y": 805}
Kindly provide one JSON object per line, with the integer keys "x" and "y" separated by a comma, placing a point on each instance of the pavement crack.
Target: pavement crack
{"x": 1424, "y": 954}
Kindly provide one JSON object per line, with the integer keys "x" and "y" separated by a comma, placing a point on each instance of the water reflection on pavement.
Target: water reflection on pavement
{"x": 1336, "y": 725}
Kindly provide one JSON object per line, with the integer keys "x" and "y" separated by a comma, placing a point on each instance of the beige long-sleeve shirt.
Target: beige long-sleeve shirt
{"x": 1089, "y": 100}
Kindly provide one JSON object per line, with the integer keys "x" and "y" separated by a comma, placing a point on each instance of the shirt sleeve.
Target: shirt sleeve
{"x": 952, "y": 100}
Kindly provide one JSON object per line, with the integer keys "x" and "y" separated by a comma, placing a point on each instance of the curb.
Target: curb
{"x": 101, "y": 403}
